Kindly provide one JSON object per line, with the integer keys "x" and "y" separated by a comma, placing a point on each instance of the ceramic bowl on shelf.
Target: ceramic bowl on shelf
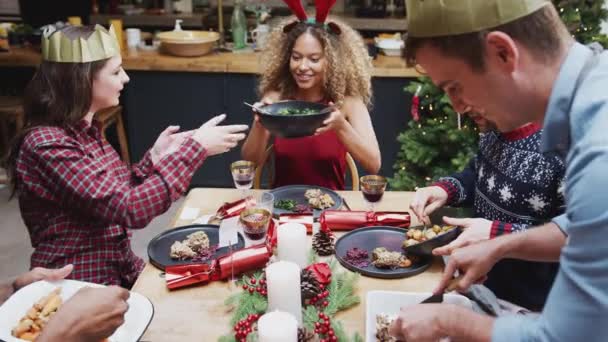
{"x": 188, "y": 43}
{"x": 390, "y": 47}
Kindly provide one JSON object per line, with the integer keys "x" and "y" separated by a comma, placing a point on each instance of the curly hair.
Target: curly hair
{"x": 348, "y": 71}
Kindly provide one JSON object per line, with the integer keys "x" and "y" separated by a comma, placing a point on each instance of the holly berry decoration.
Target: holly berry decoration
{"x": 245, "y": 327}
{"x": 256, "y": 285}
{"x": 324, "y": 330}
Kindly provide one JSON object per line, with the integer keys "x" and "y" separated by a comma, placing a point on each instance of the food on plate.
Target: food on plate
{"x": 296, "y": 111}
{"x": 383, "y": 258}
{"x": 415, "y": 236}
{"x": 318, "y": 199}
{"x": 357, "y": 257}
{"x": 286, "y": 204}
{"x": 36, "y": 318}
{"x": 383, "y": 323}
{"x": 195, "y": 244}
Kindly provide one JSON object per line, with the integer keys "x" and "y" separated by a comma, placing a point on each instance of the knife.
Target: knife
{"x": 438, "y": 298}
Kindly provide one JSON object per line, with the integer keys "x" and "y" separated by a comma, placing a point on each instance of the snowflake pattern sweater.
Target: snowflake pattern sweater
{"x": 512, "y": 184}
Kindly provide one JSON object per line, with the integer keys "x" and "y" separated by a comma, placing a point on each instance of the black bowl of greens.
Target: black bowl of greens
{"x": 293, "y": 119}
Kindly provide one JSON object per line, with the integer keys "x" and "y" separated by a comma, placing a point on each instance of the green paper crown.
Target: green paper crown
{"x": 102, "y": 44}
{"x": 435, "y": 18}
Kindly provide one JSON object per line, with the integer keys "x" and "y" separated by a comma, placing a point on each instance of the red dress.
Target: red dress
{"x": 315, "y": 160}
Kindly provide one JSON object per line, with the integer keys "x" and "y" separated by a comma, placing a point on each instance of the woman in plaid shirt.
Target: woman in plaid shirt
{"x": 77, "y": 198}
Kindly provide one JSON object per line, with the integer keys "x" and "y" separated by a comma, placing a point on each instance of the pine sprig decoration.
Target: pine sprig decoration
{"x": 342, "y": 293}
{"x": 341, "y": 297}
{"x": 245, "y": 303}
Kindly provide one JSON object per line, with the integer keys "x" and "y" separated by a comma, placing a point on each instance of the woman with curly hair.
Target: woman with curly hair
{"x": 312, "y": 61}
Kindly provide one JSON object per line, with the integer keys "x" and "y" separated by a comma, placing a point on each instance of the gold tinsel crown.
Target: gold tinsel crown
{"x": 101, "y": 44}
{"x": 435, "y": 18}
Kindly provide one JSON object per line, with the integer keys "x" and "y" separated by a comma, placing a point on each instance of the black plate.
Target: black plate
{"x": 293, "y": 126}
{"x": 426, "y": 247}
{"x": 372, "y": 237}
{"x": 159, "y": 247}
{"x": 296, "y": 193}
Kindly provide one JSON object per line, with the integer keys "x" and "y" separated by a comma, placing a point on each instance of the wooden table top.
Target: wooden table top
{"x": 217, "y": 62}
{"x": 198, "y": 313}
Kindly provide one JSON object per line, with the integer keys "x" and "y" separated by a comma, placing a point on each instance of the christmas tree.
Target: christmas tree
{"x": 433, "y": 146}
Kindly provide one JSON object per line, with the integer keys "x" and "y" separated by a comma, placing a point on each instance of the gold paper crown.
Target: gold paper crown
{"x": 435, "y": 18}
{"x": 101, "y": 44}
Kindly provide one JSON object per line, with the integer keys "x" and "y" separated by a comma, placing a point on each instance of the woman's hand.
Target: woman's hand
{"x": 336, "y": 121}
{"x": 219, "y": 139}
{"x": 258, "y": 105}
{"x": 168, "y": 142}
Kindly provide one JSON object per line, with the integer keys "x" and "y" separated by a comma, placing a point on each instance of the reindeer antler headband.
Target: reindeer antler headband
{"x": 322, "y": 10}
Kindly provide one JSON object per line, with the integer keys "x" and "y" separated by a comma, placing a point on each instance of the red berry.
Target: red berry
{"x": 325, "y": 303}
{"x": 262, "y": 281}
{"x": 322, "y": 287}
{"x": 236, "y": 328}
{"x": 325, "y": 293}
{"x": 326, "y": 321}
{"x": 334, "y": 338}
{"x": 251, "y": 290}
{"x": 253, "y": 280}
{"x": 245, "y": 286}
{"x": 331, "y": 332}
{"x": 264, "y": 292}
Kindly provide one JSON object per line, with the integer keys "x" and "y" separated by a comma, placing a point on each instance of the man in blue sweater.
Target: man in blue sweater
{"x": 511, "y": 187}
{"x": 516, "y": 60}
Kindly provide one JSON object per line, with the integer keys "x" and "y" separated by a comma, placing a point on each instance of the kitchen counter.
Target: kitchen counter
{"x": 222, "y": 62}
{"x": 209, "y": 17}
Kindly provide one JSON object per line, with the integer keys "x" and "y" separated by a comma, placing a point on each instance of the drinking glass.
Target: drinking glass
{"x": 243, "y": 172}
{"x": 256, "y": 218}
{"x": 372, "y": 187}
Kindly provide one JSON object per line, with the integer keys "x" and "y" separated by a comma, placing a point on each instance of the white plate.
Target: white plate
{"x": 137, "y": 317}
{"x": 391, "y": 302}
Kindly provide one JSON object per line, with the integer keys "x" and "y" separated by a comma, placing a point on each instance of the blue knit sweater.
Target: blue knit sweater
{"x": 510, "y": 183}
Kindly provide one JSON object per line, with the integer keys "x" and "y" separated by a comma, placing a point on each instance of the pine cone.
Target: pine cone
{"x": 304, "y": 335}
{"x": 323, "y": 243}
{"x": 309, "y": 285}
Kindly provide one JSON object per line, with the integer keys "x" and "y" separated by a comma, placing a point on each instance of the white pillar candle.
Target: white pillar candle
{"x": 283, "y": 284}
{"x": 277, "y": 326}
{"x": 292, "y": 243}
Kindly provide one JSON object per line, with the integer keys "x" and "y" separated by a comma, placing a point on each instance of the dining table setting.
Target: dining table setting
{"x": 246, "y": 259}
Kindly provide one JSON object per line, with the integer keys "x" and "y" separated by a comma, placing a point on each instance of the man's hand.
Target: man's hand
{"x": 474, "y": 230}
{"x": 92, "y": 314}
{"x": 426, "y": 201}
{"x": 420, "y": 322}
{"x": 475, "y": 261}
{"x": 431, "y": 322}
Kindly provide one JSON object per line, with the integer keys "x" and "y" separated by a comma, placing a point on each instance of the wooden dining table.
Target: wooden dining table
{"x": 198, "y": 313}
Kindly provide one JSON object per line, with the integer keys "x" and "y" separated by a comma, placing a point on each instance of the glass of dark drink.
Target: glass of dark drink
{"x": 243, "y": 172}
{"x": 372, "y": 187}
{"x": 255, "y": 222}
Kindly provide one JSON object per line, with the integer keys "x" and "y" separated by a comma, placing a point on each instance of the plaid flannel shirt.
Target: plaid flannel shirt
{"x": 78, "y": 199}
